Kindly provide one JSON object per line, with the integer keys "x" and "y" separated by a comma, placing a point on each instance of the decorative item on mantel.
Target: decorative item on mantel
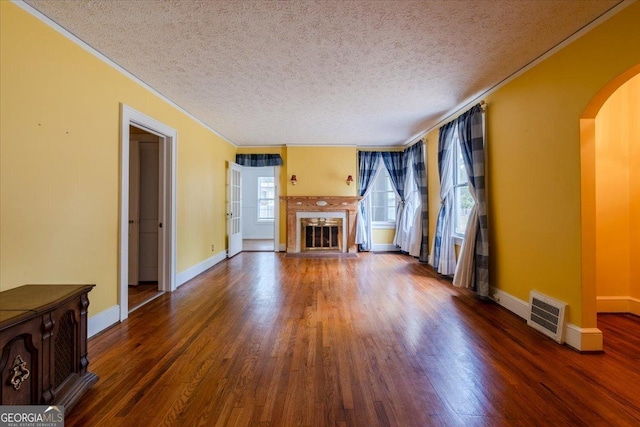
{"x": 294, "y": 180}
{"x": 349, "y": 180}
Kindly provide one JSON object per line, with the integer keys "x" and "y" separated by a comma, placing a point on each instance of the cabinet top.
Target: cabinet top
{"x": 33, "y": 299}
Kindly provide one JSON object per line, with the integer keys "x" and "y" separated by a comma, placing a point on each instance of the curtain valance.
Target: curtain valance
{"x": 259, "y": 160}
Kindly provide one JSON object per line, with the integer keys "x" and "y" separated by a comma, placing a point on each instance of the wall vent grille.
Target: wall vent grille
{"x": 547, "y": 315}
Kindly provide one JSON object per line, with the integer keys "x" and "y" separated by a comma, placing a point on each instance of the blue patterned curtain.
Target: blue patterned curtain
{"x": 394, "y": 162}
{"x": 473, "y": 268}
{"x": 259, "y": 160}
{"x": 416, "y": 160}
{"x": 368, "y": 162}
{"x": 443, "y": 257}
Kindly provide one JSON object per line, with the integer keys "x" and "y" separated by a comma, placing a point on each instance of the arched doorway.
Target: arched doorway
{"x": 592, "y": 203}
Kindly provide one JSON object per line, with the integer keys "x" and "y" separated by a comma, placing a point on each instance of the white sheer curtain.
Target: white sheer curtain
{"x": 409, "y": 229}
{"x": 463, "y": 276}
{"x": 443, "y": 256}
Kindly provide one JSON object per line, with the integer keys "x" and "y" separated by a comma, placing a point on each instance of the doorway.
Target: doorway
{"x": 144, "y": 254}
{"x": 610, "y": 202}
{"x": 259, "y": 201}
{"x": 165, "y": 139}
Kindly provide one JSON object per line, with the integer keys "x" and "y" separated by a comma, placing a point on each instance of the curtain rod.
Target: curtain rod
{"x": 421, "y": 136}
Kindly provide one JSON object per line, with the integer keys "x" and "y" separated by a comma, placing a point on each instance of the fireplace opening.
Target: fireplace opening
{"x": 321, "y": 234}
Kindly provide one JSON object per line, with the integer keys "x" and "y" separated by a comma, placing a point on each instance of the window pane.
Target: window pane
{"x": 391, "y": 198}
{"x": 266, "y": 198}
{"x": 266, "y": 209}
{"x": 377, "y": 198}
{"x": 463, "y": 204}
{"x": 379, "y": 184}
{"x": 460, "y": 168}
{"x": 266, "y": 193}
{"x": 378, "y": 213}
{"x": 383, "y": 199}
{"x": 391, "y": 214}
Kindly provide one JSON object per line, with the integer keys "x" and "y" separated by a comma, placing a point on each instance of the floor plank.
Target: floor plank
{"x": 141, "y": 294}
{"x": 258, "y": 245}
{"x": 377, "y": 340}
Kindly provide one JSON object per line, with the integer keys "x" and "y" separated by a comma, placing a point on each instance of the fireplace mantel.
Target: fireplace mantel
{"x": 343, "y": 204}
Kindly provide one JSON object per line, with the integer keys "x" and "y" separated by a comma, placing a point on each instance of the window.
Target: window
{"x": 266, "y": 198}
{"x": 384, "y": 201}
{"x": 462, "y": 200}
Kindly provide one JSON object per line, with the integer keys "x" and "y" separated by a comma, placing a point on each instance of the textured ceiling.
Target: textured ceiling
{"x": 322, "y": 72}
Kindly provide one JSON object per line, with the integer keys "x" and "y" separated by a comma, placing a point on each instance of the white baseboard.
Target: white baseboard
{"x": 511, "y": 303}
{"x": 581, "y": 339}
{"x": 384, "y": 247}
{"x": 283, "y": 247}
{"x": 191, "y": 272}
{"x": 618, "y": 304}
{"x": 103, "y": 320}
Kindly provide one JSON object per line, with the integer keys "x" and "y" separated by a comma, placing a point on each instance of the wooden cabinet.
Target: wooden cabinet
{"x": 43, "y": 345}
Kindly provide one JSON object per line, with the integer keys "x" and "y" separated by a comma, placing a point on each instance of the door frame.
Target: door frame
{"x": 167, "y": 201}
{"x": 134, "y": 205}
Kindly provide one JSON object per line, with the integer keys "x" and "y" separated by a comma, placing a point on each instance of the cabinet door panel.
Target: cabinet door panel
{"x": 19, "y": 371}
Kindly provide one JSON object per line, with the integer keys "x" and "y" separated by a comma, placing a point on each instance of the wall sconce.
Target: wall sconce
{"x": 294, "y": 180}
{"x": 349, "y": 180}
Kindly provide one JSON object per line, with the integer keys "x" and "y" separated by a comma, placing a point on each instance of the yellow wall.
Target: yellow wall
{"x": 59, "y": 164}
{"x": 617, "y": 138}
{"x": 383, "y": 236}
{"x": 533, "y": 160}
{"x": 321, "y": 171}
{"x": 634, "y": 210}
{"x": 634, "y": 194}
{"x": 433, "y": 182}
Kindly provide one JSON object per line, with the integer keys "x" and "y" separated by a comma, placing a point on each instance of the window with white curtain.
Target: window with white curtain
{"x": 462, "y": 200}
{"x": 266, "y": 198}
{"x": 383, "y": 201}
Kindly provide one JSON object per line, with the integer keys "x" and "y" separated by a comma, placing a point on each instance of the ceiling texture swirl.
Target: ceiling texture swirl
{"x": 365, "y": 73}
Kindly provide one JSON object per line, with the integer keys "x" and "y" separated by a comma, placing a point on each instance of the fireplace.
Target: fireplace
{"x": 321, "y": 223}
{"x": 321, "y": 234}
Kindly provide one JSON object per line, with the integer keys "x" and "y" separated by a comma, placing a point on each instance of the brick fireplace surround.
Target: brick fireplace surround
{"x": 317, "y": 206}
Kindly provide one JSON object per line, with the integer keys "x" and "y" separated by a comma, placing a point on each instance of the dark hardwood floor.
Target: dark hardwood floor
{"x": 141, "y": 294}
{"x": 377, "y": 340}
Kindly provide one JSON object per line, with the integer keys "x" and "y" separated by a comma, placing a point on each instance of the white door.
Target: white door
{"x": 149, "y": 219}
{"x": 234, "y": 209}
{"x": 134, "y": 212}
